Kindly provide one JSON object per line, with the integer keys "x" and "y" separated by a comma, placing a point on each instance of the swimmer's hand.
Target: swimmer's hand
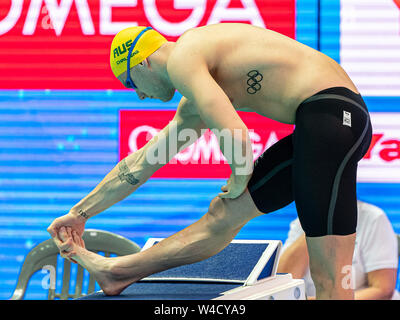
{"x": 71, "y": 243}
{"x": 235, "y": 186}
{"x": 76, "y": 224}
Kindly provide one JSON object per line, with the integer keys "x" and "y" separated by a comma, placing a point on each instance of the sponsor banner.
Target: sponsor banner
{"x": 370, "y": 45}
{"x": 382, "y": 161}
{"x": 64, "y": 44}
{"x": 203, "y": 159}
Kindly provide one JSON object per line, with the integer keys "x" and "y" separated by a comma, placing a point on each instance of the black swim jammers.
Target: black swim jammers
{"x": 316, "y": 165}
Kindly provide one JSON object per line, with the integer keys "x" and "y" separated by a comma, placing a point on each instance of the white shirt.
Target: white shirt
{"x": 375, "y": 247}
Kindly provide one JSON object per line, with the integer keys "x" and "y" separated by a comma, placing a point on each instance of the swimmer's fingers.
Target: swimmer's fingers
{"x": 232, "y": 190}
{"x": 74, "y": 239}
{"x": 54, "y": 230}
{"x": 78, "y": 240}
{"x": 57, "y": 241}
{"x": 235, "y": 186}
{"x": 58, "y": 226}
{"x": 225, "y": 188}
{"x": 60, "y": 237}
{"x": 63, "y": 234}
{"x": 71, "y": 236}
{"x": 224, "y": 192}
{"x": 69, "y": 232}
{"x": 66, "y": 247}
{"x": 230, "y": 194}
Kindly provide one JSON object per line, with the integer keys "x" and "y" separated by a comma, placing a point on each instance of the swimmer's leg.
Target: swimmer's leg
{"x": 326, "y": 154}
{"x": 326, "y": 204}
{"x": 330, "y": 265}
{"x": 201, "y": 240}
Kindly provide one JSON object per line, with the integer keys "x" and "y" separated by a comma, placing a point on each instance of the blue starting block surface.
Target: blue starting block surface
{"x": 241, "y": 263}
{"x": 167, "y": 290}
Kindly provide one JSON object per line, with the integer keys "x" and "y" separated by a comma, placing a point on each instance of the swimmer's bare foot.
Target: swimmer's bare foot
{"x": 111, "y": 279}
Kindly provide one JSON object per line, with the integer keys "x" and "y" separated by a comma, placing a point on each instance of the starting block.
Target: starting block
{"x": 244, "y": 270}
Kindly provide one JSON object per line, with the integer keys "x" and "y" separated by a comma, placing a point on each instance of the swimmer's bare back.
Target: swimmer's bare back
{"x": 261, "y": 70}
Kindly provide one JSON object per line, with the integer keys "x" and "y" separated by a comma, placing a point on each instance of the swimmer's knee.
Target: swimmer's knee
{"x": 217, "y": 209}
{"x": 230, "y": 213}
{"x": 218, "y": 217}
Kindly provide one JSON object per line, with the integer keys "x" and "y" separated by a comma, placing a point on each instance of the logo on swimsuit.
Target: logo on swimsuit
{"x": 346, "y": 118}
{"x": 254, "y": 81}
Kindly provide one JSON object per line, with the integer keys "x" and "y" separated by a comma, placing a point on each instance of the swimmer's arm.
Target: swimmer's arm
{"x": 191, "y": 77}
{"x": 135, "y": 169}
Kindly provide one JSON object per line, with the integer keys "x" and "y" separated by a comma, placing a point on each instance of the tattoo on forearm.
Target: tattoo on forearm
{"x": 125, "y": 175}
{"x": 83, "y": 214}
{"x": 253, "y": 81}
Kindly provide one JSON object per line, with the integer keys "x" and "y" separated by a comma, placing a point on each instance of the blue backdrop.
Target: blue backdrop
{"x": 56, "y": 146}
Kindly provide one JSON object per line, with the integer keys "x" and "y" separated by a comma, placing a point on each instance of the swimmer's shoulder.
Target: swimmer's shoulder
{"x": 187, "y": 57}
{"x": 188, "y": 43}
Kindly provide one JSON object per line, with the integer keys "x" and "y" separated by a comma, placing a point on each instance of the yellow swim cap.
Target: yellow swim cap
{"x": 145, "y": 41}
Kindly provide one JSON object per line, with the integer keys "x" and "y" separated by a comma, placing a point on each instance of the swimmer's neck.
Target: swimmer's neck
{"x": 159, "y": 59}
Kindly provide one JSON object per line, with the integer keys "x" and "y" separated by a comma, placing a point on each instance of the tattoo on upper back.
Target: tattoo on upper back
{"x": 253, "y": 81}
{"x": 125, "y": 175}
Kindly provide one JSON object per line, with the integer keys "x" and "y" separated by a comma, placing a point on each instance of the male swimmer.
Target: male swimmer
{"x": 220, "y": 69}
